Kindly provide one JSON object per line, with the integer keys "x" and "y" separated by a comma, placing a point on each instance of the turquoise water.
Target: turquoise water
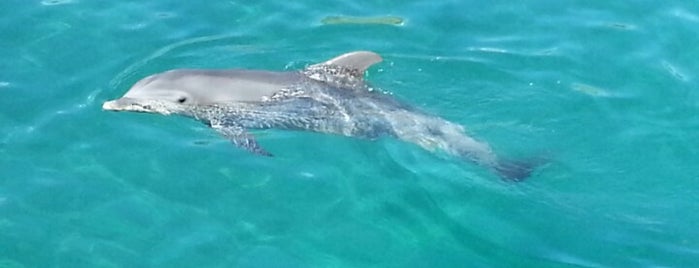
{"x": 608, "y": 90}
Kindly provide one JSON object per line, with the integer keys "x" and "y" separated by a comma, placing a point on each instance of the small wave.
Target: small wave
{"x": 130, "y": 71}
{"x": 56, "y": 2}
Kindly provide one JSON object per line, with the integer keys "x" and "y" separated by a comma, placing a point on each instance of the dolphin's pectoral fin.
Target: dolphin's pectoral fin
{"x": 241, "y": 138}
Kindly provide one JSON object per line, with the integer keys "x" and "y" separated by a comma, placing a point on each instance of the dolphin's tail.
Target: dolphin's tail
{"x": 516, "y": 170}
{"x": 435, "y": 133}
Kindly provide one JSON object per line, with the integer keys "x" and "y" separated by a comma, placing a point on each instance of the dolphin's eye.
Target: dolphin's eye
{"x": 181, "y": 99}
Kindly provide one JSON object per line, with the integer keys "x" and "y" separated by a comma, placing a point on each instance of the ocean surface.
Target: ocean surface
{"x": 607, "y": 91}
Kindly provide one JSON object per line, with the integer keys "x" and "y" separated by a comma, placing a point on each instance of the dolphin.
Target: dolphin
{"x": 328, "y": 97}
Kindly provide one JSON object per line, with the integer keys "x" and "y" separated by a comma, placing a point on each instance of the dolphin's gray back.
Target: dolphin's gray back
{"x": 351, "y": 111}
{"x": 230, "y": 85}
{"x": 272, "y": 77}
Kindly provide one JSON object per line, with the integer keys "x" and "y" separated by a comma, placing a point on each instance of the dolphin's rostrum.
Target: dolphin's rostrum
{"x": 329, "y": 97}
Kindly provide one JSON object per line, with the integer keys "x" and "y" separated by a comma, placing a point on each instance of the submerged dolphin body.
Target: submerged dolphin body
{"x": 329, "y": 97}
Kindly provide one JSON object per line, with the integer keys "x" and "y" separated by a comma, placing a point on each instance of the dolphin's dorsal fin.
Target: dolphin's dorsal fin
{"x": 346, "y": 70}
{"x": 355, "y": 60}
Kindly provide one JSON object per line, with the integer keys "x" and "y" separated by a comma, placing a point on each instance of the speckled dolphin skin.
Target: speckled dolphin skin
{"x": 329, "y": 97}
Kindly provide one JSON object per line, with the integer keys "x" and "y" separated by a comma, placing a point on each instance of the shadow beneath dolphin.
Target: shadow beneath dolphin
{"x": 518, "y": 170}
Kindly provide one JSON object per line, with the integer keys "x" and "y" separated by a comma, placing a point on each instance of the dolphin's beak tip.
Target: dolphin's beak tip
{"x": 109, "y": 105}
